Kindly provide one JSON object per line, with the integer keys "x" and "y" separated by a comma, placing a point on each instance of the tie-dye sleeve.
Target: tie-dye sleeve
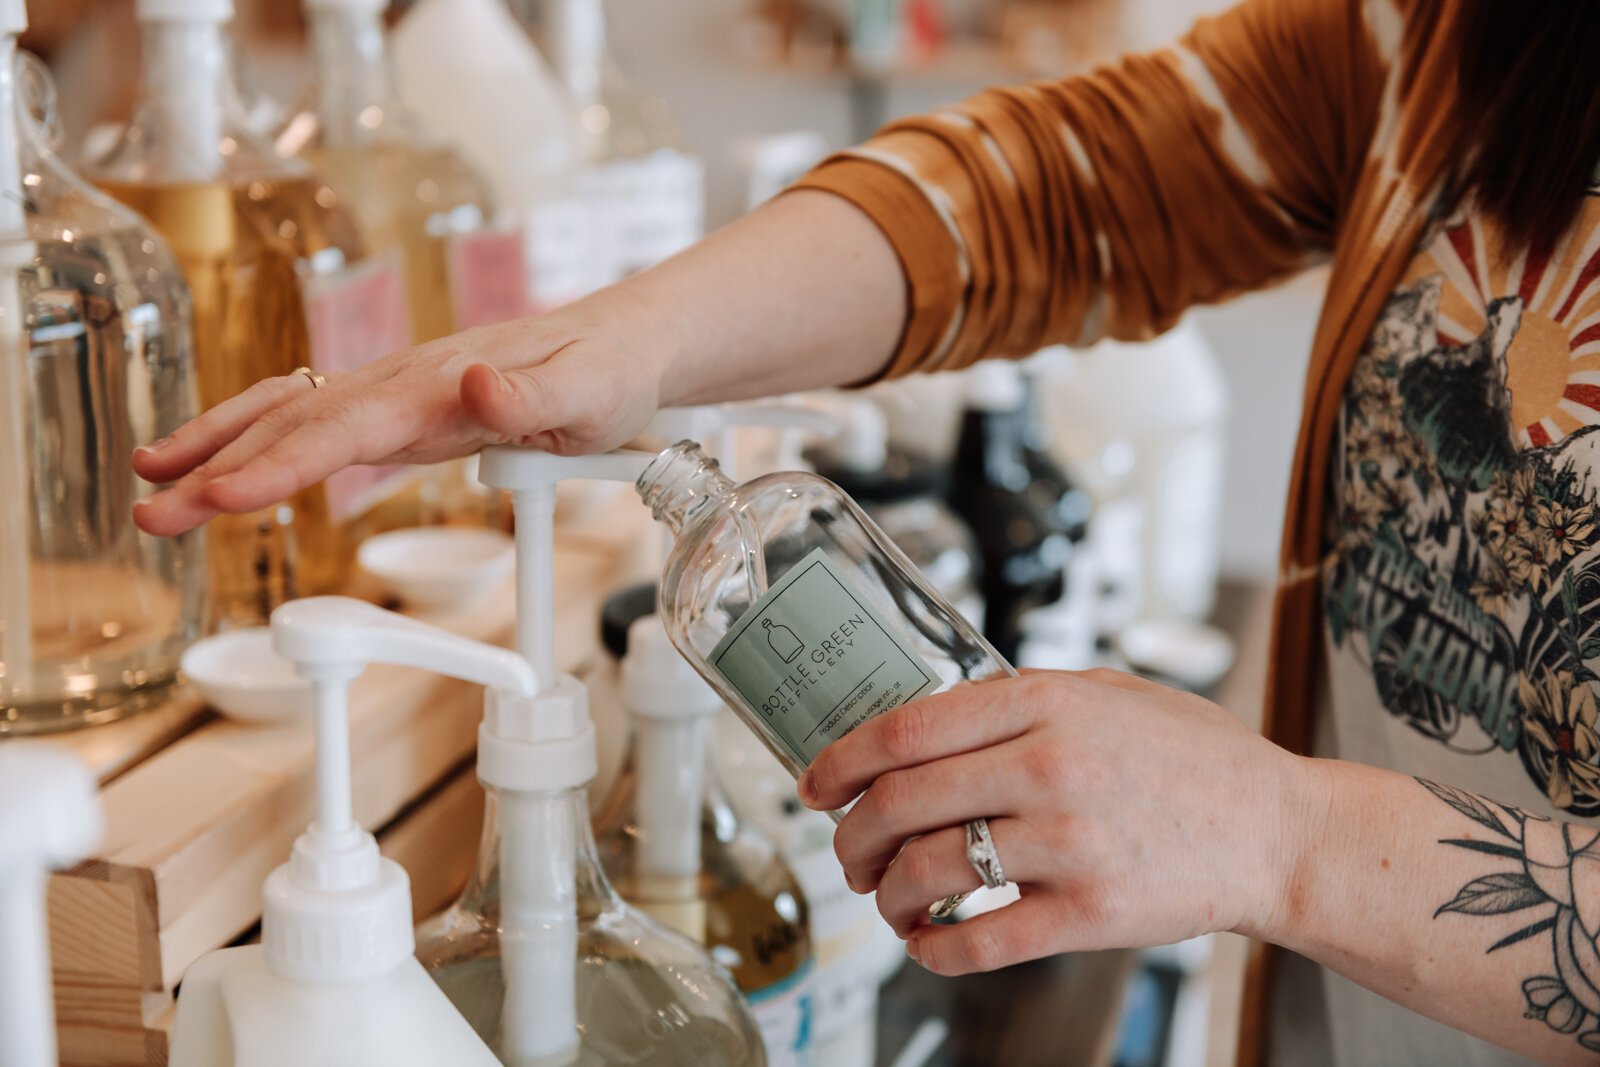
{"x": 1107, "y": 204}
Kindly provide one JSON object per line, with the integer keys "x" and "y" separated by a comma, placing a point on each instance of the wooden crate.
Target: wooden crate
{"x": 199, "y": 809}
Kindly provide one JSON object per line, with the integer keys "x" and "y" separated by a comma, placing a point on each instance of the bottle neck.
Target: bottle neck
{"x": 12, "y": 215}
{"x": 187, "y": 77}
{"x": 681, "y": 483}
{"x": 352, "y": 91}
{"x": 576, "y": 33}
{"x": 561, "y": 816}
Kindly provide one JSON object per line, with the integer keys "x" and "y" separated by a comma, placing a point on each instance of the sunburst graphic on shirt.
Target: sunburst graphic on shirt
{"x": 1553, "y": 365}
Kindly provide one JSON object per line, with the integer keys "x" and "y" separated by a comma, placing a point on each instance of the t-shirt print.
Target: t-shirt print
{"x": 1463, "y": 565}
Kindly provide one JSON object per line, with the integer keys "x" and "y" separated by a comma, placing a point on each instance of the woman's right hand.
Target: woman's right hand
{"x": 581, "y": 379}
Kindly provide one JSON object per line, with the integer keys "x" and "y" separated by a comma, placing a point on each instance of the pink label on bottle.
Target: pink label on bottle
{"x": 488, "y": 277}
{"x": 357, "y": 315}
{"x": 354, "y": 317}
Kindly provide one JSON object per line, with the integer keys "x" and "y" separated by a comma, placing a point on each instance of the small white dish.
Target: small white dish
{"x": 240, "y": 675}
{"x": 1191, "y": 654}
{"x": 439, "y": 566}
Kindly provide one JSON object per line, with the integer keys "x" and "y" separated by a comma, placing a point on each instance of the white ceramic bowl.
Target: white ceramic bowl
{"x": 439, "y": 566}
{"x": 240, "y": 675}
{"x": 1191, "y": 654}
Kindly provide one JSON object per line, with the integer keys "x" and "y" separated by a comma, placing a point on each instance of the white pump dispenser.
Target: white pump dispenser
{"x": 531, "y": 749}
{"x": 334, "y": 982}
{"x": 673, "y": 709}
{"x": 539, "y": 953}
{"x": 49, "y": 817}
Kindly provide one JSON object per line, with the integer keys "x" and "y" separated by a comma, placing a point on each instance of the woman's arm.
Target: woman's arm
{"x": 803, "y": 293}
{"x": 1130, "y": 815}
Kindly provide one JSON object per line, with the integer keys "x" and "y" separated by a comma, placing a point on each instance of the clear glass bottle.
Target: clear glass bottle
{"x": 476, "y": 82}
{"x": 280, "y": 278}
{"x": 674, "y": 847}
{"x": 646, "y": 195}
{"x": 645, "y": 995}
{"x": 796, "y": 608}
{"x": 96, "y": 324}
{"x": 404, "y": 187}
{"x": 418, "y": 197}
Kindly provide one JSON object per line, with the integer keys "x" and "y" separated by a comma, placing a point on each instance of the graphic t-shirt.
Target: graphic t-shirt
{"x": 1461, "y": 579}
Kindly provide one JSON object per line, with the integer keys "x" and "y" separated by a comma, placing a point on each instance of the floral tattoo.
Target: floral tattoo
{"x": 1558, "y": 887}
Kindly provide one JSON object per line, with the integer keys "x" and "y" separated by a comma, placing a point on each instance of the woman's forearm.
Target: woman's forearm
{"x": 804, "y": 293}
{"x": 1463, "y": 909}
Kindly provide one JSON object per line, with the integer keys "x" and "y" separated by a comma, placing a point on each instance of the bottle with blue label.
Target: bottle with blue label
{"x": 797, "y": 609}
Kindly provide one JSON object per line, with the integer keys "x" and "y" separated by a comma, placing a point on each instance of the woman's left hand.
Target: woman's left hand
{"x": 1128, "y": 814}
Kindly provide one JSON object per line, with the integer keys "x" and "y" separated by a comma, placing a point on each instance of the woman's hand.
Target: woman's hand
{"x": 581, "y": 379}
{"x": 1127, "y": 813}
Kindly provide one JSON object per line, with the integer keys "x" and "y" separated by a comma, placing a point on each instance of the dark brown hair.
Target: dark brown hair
{"x": 1530, "y": 105}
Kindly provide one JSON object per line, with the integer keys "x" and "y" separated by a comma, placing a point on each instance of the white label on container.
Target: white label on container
{"x": 783, "y": 1015}
{"x": 559, "y": 254}
{"x": 647, "y": 210}
{"x": 355, "y": 316}
{"x": 814, "y": 660}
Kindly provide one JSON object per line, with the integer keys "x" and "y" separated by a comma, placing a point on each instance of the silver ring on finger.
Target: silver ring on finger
{"x": 982, "y": 855}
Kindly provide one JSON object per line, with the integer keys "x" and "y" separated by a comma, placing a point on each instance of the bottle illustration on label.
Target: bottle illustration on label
{"x": 784, "y": 644}
{"x": 855, "y": 664}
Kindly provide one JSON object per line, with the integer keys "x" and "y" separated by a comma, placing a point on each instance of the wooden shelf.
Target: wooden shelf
{"x": 199, "y": 809}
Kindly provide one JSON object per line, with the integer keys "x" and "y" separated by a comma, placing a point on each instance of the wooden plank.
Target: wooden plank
{"x": 194, "y": 828}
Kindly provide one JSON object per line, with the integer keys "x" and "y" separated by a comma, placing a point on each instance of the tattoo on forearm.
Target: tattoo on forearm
{"x": 1557, "y": 886}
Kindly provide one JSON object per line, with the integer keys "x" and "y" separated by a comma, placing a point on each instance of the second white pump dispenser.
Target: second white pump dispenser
{"x": 334, "y": 982}
{"x": 539, "y": 953}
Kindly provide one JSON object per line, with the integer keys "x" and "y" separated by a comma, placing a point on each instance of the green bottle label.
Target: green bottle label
{"x": 814, "y": 660}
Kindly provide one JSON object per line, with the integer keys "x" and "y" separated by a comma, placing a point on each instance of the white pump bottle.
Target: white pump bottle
{"x": 334, "y": 982}
{"x": 49, "y": 817}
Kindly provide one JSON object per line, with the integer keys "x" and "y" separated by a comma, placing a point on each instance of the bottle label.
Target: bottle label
{"x": 783, "y": 1015}
{"x": 647, "y": 210}
{"x": 558, "y": 253}
{"x": 355, "y": 316}
{"x": 814, "y": 660}
{"x": 488, "y": 277}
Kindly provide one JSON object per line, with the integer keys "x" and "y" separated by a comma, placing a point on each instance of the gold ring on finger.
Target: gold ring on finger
{"x": 315, "y": 378}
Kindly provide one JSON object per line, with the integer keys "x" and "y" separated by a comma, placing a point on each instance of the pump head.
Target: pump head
{"x": 657, "y": 682}
{"x": 185, "y": 10}
{"x": 338, "y": 911}
{"x": 13, "y": 16}
{"x": 359, "y": 7}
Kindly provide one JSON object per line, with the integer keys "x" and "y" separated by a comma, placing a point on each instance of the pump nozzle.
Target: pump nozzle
{"x": 334, "y": 633}
{"x": 337, "y": 911}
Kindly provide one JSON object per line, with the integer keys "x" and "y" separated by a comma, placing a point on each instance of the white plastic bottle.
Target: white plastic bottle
{"x": 49, "y": 817}
{"x": 334, "y": 982}
{"x": 470, "y": 74}
{"x": 1154, "y": 414}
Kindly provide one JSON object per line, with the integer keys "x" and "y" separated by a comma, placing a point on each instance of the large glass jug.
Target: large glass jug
{"x": 97, "y": 359}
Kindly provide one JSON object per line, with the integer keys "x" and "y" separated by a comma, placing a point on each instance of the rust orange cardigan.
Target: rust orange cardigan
{"x": 1278, "y": 134}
